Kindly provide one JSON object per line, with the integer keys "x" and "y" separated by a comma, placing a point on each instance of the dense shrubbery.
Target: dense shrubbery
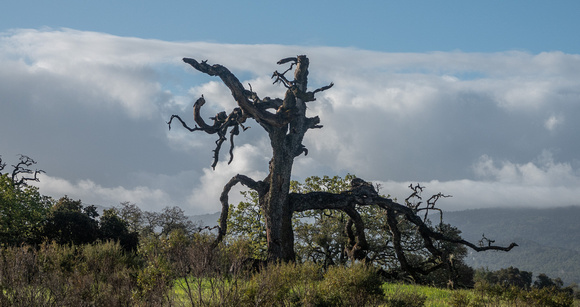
{"x": 59, "y": 275}
{"x": 182, "y": 269}
{"x": 496, "y": 293}
{"x": 514, "y": 285}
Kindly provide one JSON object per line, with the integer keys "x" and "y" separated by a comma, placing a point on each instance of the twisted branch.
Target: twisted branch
{"x": 221, "y": 124}
{"x": 259, "y": 186}
{"x": 363, "y": 193}
{"x": 21, "y": 169}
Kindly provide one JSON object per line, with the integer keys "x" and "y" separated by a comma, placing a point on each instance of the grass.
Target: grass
{"x": 404, "y": 294}
{"x": 434, "y": 296}
{"x": 437, "y": 297}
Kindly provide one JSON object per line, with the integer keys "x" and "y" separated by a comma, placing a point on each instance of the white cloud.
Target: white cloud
{"x": 248, "y": 161}
{"x": 545, "y": 172}
{"x": 93, "y": 106}
{"x": 92, "y": 193}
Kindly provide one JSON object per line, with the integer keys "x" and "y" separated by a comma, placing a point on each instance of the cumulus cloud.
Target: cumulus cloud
{"x": 538, "y": 183}
{"x": 545, "y": 172}
{"x": 92, "y": 108}
{"x": 92, "y": 193}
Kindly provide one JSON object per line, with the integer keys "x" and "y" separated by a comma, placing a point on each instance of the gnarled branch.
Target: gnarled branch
{"x": 21, "y": 169}
{"x": 221, "y": 124}
{"x": 363, "y": 193}
{"x": 258, "y": 186}
{"x": 238, "y": 91}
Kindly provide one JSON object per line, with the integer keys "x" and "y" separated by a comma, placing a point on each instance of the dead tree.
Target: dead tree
{"x": 21, "y": 172}
{"x": 286, "y": 123}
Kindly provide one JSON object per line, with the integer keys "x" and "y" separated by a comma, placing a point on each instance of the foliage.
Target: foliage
{"x": 406, "y": 299}
{"x": 184, "y": 270}
{"x": 69, "y": 222}
{"x": 357, "y": 285}
{"x": 320, "y": 234}
{"x": 543, "y": 281}
{"x": 147, "y": 223}
{"x": 497, "y": 293}
{"x": 57, "y": 275}
{"x": 23, "y": 211}
{"x": 505, "y": 277}
{"x": 113, "y": 227}
{"x": 246, "y": 222}
{"x": 132, "y": 215}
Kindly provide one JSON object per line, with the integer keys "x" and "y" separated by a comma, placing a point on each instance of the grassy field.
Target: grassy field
{"x": 214, "y": 291}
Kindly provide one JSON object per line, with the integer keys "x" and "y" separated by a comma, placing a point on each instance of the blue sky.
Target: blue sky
{"x": 389, "y": 26}
{"x": 479, "y": 100}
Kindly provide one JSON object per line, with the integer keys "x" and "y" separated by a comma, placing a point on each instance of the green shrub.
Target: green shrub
{"x": 459, "y": 299}
{"x": 55, "y": 275}
{"x": 284, "y": 284}
{"x": 405, "y": 299}
{"x": 357, "y": 285}
{"x": 549, "y": 297}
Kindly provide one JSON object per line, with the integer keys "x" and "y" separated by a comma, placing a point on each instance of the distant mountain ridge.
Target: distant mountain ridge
{"x": 548, "y": 239}
{"x": 210, "y": 219}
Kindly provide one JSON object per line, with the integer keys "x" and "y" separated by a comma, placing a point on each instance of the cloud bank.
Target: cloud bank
{"x": 491, "y": 129}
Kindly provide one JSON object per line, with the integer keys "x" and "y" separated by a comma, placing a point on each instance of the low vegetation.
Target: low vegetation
{"x": 177, "y": 270}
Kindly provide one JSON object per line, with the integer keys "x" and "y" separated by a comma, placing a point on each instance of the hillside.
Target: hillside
{"x": 548, "y": 239}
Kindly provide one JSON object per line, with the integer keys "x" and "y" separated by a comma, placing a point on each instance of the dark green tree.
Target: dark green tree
{"x": 113, "y": 227}
{"x": 23, "y": 209}
{"x": 544, "y": 281}
{"x": 69, "y": 222}
{"x": 506, "y": 277}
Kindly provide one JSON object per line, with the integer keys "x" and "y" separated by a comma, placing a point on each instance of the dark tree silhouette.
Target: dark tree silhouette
{"x": 286, "y": 123}
{"x": 69, "y": 222}
{"x": 21, "y": 172}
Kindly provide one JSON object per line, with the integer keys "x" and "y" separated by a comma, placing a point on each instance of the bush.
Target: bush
{"x": 550, "y": 297}
{"x": 285, "y": 284}
{"x": 55, "y": 275}
{"x": 288, "y": 284}
{"x": 460, "y": 299}
{"x": 405, "y": 299}
{"x": 357, "y": 285}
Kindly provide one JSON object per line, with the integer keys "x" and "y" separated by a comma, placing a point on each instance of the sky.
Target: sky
{"x": 474, "y": 99}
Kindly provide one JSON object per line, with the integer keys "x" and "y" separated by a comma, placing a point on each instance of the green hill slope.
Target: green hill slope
{"x": 548, "y": 239}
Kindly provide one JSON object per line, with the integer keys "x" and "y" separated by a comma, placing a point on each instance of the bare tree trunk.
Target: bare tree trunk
{"x": 275, "y": 205}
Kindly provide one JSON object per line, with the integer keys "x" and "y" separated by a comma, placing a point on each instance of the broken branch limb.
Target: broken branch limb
{"x": 182, "y": 123}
